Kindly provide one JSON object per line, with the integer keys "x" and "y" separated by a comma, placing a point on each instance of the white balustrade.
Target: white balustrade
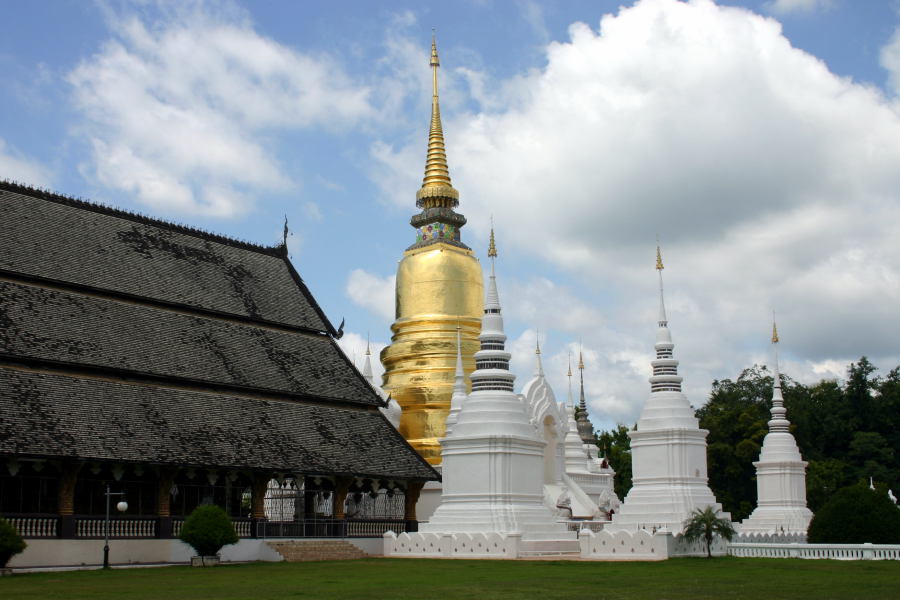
{"x": 35, "y": 527}
{"x": 814, "y": 551}
{"x": 118, "y": 528}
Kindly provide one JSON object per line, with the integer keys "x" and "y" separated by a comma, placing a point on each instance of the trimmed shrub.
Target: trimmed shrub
{"x": 856, "y": 515}
{"x": 207, "y": 529}
{"x": 11, "y": 543}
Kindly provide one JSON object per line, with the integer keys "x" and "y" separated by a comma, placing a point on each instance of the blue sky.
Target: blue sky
{"x": 759, "y": 140}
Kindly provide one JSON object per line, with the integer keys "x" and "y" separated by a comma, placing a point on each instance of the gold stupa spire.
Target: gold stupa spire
{"x": 580, "y": 361}
{"x": 437, "y": 191}
{"x": 774, "y": 333}
{"x": 659, "y": 263}
{"x": 492, "y": 247}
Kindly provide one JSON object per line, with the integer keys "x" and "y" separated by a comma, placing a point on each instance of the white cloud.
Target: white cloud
{"x": 772, "y": 183}
{"x": 177, "y": 111}
{"x": 372, "y": 292}
{"x": 890, "y": 60}
{"x": 787, "y": 7}
{"x": 15, "y": 166}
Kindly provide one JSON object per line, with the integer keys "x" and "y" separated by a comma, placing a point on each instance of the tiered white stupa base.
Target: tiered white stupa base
{"x": 777, "y": 520}
{"x": 670, "y": 480}
{"x": 497, "y": 489}
{"x": 781, "y": 489}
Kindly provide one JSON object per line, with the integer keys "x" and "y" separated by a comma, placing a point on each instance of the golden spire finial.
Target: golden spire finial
{"x": 492, "y": 247}
{"x": 774, "y": 333}
{"x": 580, "y": 361}
{"x": 434, "y": 55}
{"x": 436, "y": 190}
{"x": 659, "y": 263}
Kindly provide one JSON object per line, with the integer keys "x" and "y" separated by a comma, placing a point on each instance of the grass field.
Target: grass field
{"x": 413, "y": 579}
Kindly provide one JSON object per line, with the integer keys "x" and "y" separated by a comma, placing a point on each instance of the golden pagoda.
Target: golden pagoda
{"x": 439, "y": 288}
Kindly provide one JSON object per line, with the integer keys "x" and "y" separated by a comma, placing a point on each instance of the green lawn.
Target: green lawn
{"x": 415, "y": 579}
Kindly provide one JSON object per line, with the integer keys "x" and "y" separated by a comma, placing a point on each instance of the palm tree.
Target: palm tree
{"x": 705, "y": 523}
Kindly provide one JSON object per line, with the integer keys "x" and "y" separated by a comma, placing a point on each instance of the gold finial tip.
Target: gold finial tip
{"x": 774, "y": 333}
{"x": 580, "y": 361}
{"x": 659, "y": 262}
{"x": 492, "y": 247}
{"x": 537, "y": 346}
{"x": 434, "y": 55}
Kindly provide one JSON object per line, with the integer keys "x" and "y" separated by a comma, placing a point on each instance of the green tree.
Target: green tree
{"x": 706, "y": 524}
{"x": 207, "y": 529}
{"x": 856, "y": 515}
{"x": 736, "y": 417}
{"x": 823, "y": 478}
{"x": 11, "y": 543}
{"x": 615, "y": 445}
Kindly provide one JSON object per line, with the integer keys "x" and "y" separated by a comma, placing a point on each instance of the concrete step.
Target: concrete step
{"x": 303, "y": 551}
{"x": 550, "y": 555}
{"x": 542, "y": 547}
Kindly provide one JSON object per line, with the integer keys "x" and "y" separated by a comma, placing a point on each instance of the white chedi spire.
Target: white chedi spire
{"x": 367, "y": 365}
{"x": 392, "y": 409}
{"x": 459, "y": 387}
{"x": 780, "y": 472}
{"x": 575, "y": 456}
{"x": 667, "y": 406}
{"x": 492, "y": 360}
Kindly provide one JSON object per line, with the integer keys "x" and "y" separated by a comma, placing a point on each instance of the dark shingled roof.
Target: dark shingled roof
{"x": 129, "y": 339}
{"x": 61, "y": 239}
{"x": 65, "y": 327}
{"x": 59, "y": 416}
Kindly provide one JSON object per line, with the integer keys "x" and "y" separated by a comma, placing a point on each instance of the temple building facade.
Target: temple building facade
{"x": 180, "y": 368}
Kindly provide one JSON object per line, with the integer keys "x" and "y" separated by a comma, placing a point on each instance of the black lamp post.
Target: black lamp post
{"x": 121, "y": 507}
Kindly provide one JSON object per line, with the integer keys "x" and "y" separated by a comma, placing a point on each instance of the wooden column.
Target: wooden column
{"x": 410, "y": 498}
{"x": 66, "y": 499}
{"x": 164, "y": 502}
{"x": 259, "y": 484}
{"x": 339, "y": 498}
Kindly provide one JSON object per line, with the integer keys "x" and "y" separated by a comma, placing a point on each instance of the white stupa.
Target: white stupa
{"x": 392, "y": 409}
{"x": 493, "y": 458}
{"x": 576, "y": 458}
{"x": 668, "y": 448}
{"x": 780, "y": 474}
{"x": 459, "y": 388}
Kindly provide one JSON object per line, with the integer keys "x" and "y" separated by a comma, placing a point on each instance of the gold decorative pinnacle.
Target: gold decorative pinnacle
{"x": 437, "y": 190}
{"x": 492, "y": 247}
{"x": 659, "y": 263}
{"x": 537, "y": 346}
{"x": 774, "y": 333}
{"x": 435, "y": 62}
{"x": 580, "y": 361}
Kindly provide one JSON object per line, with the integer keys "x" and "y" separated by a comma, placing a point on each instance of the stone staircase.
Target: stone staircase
{"x": 310, "y": 550}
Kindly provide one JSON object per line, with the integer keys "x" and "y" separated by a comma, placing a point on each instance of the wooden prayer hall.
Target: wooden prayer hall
{"x": 180, "y": 368}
